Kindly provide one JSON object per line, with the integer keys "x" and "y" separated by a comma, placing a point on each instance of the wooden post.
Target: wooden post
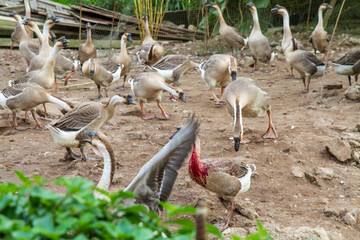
{"x": 80, "y": 21}
{"x": 112, "y": 24}
{"x": 308, "y": 16}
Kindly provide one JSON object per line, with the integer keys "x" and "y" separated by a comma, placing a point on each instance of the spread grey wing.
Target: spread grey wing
{"x": 170, "y": 62}
{"x": 79, "y": 117}
{"x": 156, "y": 178}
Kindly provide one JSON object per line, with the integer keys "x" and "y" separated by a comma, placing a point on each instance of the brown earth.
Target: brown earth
{"x": 282, "y": 202}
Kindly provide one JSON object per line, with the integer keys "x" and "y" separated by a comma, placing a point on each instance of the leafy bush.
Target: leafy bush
{"x": 30, "y": 211}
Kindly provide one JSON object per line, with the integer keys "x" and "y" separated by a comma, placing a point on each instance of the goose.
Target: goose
{"x": 16, "y": 35}
{"x": 224, "y": 176}
{"x": 172, "y": 67}
{"x": 123, "y": 58}
{"x": 155, "y": 180}
{"x": 87, "y": 50}
{"x": 38, "y": 61}
{"x": 65, "y": 67}
{"x": 148, "y": 86}
{"x": 245, "y": 98}
{"x": 68, "y": 131}
{"x": 319, "y": 38}
{"x": 220, "y": 70}
{"x": 151, "y": 51}
{"x": 306, "y": 63}
{"x": 102, "y": 77}
{"x": 25, "y": 97}
{"x": 349, "y": 64}
{"x": 258, "y": 43}
{"x": 287, "y": 36}
{"x": 25, "y": 38}
{"x": 231, "y": 35}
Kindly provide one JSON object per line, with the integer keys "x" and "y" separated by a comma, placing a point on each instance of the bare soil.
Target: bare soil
{"x": 305, "y": 123}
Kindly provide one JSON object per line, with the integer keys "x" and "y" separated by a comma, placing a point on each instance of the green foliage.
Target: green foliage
{"x": 261, "y": 234}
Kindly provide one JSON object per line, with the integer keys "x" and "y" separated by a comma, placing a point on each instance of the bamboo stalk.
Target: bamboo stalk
{"x": 308, "y": 16}
{"x": 329, "y": 46}
{"x": 80, "y": 21}
{"x": 112, "y": 25}
{"x": 76, "y": 85}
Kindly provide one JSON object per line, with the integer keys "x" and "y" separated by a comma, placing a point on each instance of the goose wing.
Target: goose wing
{"x": 156, "y": 178}
{"x": 79, "y": 117}
{"x": 312, "y": 58}
{"x": 170, "y": 62}
{"x": 349, "y": 58}
{"x": 16, "y": 89}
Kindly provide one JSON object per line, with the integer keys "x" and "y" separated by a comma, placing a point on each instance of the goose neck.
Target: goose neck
{"x": 221, "y": 18}
{"x": 109, "y": 167}
{"x": 255, "y": 20}
{"x": 320, "y": 22}
{"x": 147, "y": 30}
{"x": 123, "y": 47}
{"x": 45, "y": 35}
{"x": 88, "y": 36}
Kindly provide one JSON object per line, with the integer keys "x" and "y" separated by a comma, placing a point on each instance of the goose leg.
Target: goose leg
{"x": 99, "y": 94}
{"x": 227, "y": 220}
{"x": 291, "y": 73}
{"x": 349, "y": 77}
{"x": 56, "y": 88}
{"x": 83, "y": 155}
{"x": 271, "y": 132}
{"x": 71, "y": 155}
{"x": 308, "y": 84}
{"x": 11, "y": 47}
{"x": 305, "y": 87}
{"x": 68, "y": 77}
{"x": 216, "y": 99}
{"x": 145, "y": 116}
{"x": 356, "y": 78}
{"x": 38, "y": 124}
{"x": 106, "y": 95}
{"x": 164, "y": 115}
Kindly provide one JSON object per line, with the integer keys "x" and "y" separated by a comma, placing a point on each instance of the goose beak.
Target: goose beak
{"x": 26, "y": 21}
{"x": 88, "y": 25}
{"x": 209, "y": 5}
{"x": 129, "y": 99}
{"x": 328, "y": 6}
{"x": 64, "y": 41}
{"x": 91, "y": 73}
{"x": 129, "y": 38}
{"x": 53, "y": 37}
{"x": 233, "y": 75}
{"x": 182, "y": 97}
{"x": 91, "y": 134}
{"x": 275, "y": 9}
{"x": 13, "y": 13}
{"x": 54, "y": 19}
{"x": 177, "y": 130}
{"x": 236, "y": 144}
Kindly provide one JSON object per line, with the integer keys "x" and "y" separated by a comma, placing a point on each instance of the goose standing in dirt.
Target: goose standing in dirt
{"x": 244, "y": 98}
{"x": 26, "y": 97}
{"x": 123, "y": 57}
{"x": 306, "y": 63}
{"x": 155, "y": 180}
{"x": 231, "y": 35}
{"x": 172, "y": 67}
{"x": 148, "y": 86}
{"x": 87, "y": 50}
{"x": 287, "y": 36}
{"x": 349, "y": 64}
{"x": 319, "y": 37}
{"x": 224, "y": 176}
{"x": 151, "y": 51}
{"x": 258, "y": 43}
{"x": 220, "y": 70}
{"x": 68, "y": 131}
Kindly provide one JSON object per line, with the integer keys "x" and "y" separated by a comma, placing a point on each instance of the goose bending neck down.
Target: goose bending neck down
{"x": 155, "y": 180}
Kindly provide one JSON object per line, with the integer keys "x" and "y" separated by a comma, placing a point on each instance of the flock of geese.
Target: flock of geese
{"x": 80, "y": 123}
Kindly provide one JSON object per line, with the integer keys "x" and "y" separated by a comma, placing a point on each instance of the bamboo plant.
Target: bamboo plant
{"x": 155, "y": 11}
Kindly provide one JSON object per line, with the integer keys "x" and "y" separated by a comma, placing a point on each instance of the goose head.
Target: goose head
{"x": 144, "y": 17}
{"x": 13, "y": 14}
{"x": 92, "y": 67}
{"x": 212, "y": 5}
{"x": 130, "y": 99}
{"x": 178, "y": 93}
{"x": 324, "y": 6}
{"x": 88, "y": 25}
{"x": 251, "y": 7}
{"x": 278, "y": 9}
{"x": 117, "y": 99}
{"x": 127, "y": 37}
{"x": 51, "y": 21}
{"x": 61, "y": 42}
{"x": 99, "y": 142}
{"x": 232, "y": 68}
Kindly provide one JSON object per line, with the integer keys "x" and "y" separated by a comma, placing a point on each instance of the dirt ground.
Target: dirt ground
{"x": 281, "y": 201}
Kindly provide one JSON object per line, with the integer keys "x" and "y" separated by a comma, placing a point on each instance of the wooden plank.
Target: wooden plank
{"x": 86, "y": 18}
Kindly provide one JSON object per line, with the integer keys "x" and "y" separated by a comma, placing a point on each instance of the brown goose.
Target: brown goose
{"x": 151, "y": 51}
{"x": 220, "y": 70}
{"x": 25, "y": 97}
{"x": 258, "y": 43}
{"x": 172, "y": 67}
{"x": 306, "y": 63}
{"x": 223, "y": 176}
{"x": 148, "y": 86}
{"x": 231, "y": 35}
{"x": 102, "y": 77}
{"x": 319, "y": 38}
{"x": 349, "y": 64}
{"x": 245, "y": 98}
{"x": 87, "y": 50}
{"x": 287, "y": 36}
{"x": 123, "y": 58}
{"x": 17, "y": 33}
{"x": 156, "y": 178}
{"x": 68, "y": 131}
